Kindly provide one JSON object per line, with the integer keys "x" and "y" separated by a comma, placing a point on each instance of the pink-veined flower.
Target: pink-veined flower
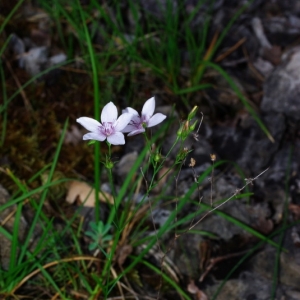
{"x": 110, "y": 127}
{"x": 147, "y": 119}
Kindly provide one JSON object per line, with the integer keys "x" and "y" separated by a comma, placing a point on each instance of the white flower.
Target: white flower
{"x": 147, "y": 119}
{"x": 110, "y": 127}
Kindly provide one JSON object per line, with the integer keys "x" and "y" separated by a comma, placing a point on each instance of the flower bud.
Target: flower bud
{"x": 192, "y": 113}
{"x": 181, "y": 156}
{"x": 192, "y": 127}
{"x": 184, "y": 131}
{"x": 157, "y": 157}
{"x": 109, "y": 164}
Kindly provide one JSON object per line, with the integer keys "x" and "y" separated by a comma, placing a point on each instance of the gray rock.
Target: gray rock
{"x": 282, "y": 87}
{"x": 247, "y": 286}
{"x": 124, "y": 166}
{"x": 289, "y": 274}
{"x": 35, "y": 60}
{"x": 247, "y": 144}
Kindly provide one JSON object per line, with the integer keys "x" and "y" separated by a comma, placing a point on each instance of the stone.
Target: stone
{"x": 282, "y": 87}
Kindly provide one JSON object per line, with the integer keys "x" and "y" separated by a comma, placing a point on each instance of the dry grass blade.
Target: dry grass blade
{"x": 27, "y": 103}
{"x": 230, "y": 50}
{"x": 249, "y": 181}
{"x": 51, "y": 264}
{"x": 114, "y": 273}
{"x": 134, "y": 218}
{"x": 214, "y": 261}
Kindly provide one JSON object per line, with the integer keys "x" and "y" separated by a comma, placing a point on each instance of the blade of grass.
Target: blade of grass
{"x": 15, "y": 237}
{"x": 210, "y": 54}
{"x": 4, "y": 46}
{"x": 244, "y": 226}
{"x": 193, "y": 89}
{"x": 12, "y": 283}
{"x": 9, "y": 16}
{"x": 166, "y": 278}
{"x": 243, "y": 99}
{"x": 94, "y": 66}
{"x": 247, "y": 255}
{"x": 31, "y": 80}
{"x": 44, "y": 193}
{"x": 4, "y": 95}
{"x": 31, "y": 193}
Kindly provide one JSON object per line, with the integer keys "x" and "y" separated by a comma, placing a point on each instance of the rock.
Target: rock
{"x": 247, "y": 286}
{"x": 282, "y": 87}
{"x": 247, "y": 144}
{"x": 263, "y": 66}
{"x": 124, "y": 166}
{"x": 35, "y": 60}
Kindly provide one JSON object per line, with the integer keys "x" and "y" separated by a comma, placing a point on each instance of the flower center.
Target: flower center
{"x": 139, "y": 122}
{"x": 107, "y": 128}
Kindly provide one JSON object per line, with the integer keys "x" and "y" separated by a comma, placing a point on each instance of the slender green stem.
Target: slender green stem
{"x": 113, "y": 216}
{"x": 94, "y": 66}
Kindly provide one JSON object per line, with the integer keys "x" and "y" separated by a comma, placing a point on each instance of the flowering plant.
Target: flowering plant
{"x": 110, "y": 127}
{"x": 147, "y": 119}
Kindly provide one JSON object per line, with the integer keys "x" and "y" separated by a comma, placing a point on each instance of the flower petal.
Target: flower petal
{"x": 148, "y": 108}
{"x": 89, "y": 123}
{"x": 130, "y": 110}
{"x": 156, "y": 119}
{"x": 123, "y": 121}
{"x": 134, "y": 132}
{"x": 94, "y": 136}
{"x": 129, "y": 128}
{"x": 109, "y": 113}
{"x": 116, "y": 139}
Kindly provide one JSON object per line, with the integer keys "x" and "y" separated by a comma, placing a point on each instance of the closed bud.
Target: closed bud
{"x": 192, "y": 127}
{"x": 109, "y": 164}
{"x": 192, "y": 113}
{"x": 181, "y": 156}
{"x": 157, "y": 157}
{"x": 184, "y": 130}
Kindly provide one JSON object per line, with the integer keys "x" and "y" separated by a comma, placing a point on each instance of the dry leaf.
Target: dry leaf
{"x": 123, "y": 254}
{"x": 193, "y": 289}
{"x": 85, "y": 194}
{"x": 295, "y": 210}
{"x": 73, "y": 136}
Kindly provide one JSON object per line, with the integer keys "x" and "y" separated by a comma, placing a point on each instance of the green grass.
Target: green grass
{"x": 115, "y": 70}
